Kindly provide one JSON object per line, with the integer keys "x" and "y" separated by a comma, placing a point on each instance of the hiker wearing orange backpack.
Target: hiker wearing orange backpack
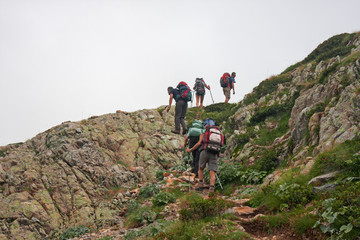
{"x": 227, "y": 83}
{"x": 181, "y": 94}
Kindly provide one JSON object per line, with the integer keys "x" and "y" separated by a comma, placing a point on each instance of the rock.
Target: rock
{"x": 319, "y": 180}
{"x": 329, "y": 187}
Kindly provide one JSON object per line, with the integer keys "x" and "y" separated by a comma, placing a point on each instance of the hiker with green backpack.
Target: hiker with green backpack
{"x": 199, "y": 88}
{"x": 209, "y": 144}
{"x": 181, "y": 94}
{"x": 197, "y": 128}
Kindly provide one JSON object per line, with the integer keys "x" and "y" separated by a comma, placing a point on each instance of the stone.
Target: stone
{"x": 319, "y": 180}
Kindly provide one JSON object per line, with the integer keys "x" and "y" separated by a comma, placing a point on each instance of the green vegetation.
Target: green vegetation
{"x": 343, "y": 157}
{"x": 334, "y": 46}
{"x": 3, "y": 152}
{"x": 163, "y": 198}
{"x": 72, "y": 232}
{"x": 266, "y": 87}
{"x": 148, "y": 190}
{"x": 220, "y": 112}
{"x": 209, "y": 228}
{"x": 339, "y": 215}
{"x": 199, "y": 208}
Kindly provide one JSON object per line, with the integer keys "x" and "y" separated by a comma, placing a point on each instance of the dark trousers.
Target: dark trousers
{"x": 180, "y": 112}
{"x": 195, "y": 163}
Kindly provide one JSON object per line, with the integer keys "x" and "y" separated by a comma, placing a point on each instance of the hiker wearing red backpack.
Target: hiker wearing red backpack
{"x": 227, "y": 83}
{"x": 181, "y": 94}
{"x": 210, "y": 143}
{"x": 199, "y": 88}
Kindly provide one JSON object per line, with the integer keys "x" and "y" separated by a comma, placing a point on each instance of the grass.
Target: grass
{"x": 209, "y": 228}
{"x": 334, "y": 46}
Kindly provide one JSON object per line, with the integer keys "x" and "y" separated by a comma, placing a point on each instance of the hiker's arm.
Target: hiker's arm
{"x": 170, "y": 102}
{"x": 185, "y": 142}
{"x": 233, "y": 87}
{"x": 207, "y": 86}
{"x": 198, "y": 144}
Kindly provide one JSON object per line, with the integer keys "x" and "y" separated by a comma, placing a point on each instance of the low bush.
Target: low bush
{"x": 199, "y": 208}
{"x": 140, "y": 216}
{"x": 210, "y": 228}
{"x": 339, "y": 212}
{"x": 73, "y": 232}
{"x": 148, "y": 190}
{"x": 293, "y": 194}
{"x": 163, "y": 198}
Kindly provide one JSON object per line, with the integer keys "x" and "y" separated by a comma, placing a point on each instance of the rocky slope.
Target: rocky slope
{"x": 319, "y": 98}
{"x": 79, "y": 172}
{"x": 63, "y": 176}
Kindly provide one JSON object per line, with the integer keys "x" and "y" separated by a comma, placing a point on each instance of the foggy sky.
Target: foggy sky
{"x": 72, "y": 59}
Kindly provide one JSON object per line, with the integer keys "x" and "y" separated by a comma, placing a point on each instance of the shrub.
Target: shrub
{"x": 149, "y": 190}
{"x": 340, "y": 214}
{"x": 293, "y": 194}
{"x": 268, "y": 162}
{"x": 72, "y": 232}
{"x": 266, "y": 87}
{"x": 163, "y": 198}
{"x": 199, "y": 208}
{"x": 140, "y": 217}
{"x": 160, "y": 174}
{"x": 304, "y": 223}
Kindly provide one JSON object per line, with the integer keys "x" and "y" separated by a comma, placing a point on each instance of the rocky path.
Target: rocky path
{"x": 244, "y": 221}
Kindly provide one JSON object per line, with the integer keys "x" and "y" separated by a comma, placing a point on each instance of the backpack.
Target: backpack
{"x": 213, "y": 139}
{"x": 185, "y": 91}
{"x": 209, "y": 122}
{"x": 199, "y": 86}
{"x": 196, "y": 129}
{"x": 224, "y": 80}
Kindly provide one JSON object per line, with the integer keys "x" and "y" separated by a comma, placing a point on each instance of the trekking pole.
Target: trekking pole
{"x": 188, "y": 169}
{"x": 211, "y": 96}
{"x": 219, "y": 180}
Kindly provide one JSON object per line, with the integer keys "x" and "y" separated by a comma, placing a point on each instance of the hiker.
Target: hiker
{"x": 227, "y": 83}
{"x": 199, "y": 88}
{"x": 196, "y": 129}
{"x": 210, "y": 143}
{"x": 181, "y": 94}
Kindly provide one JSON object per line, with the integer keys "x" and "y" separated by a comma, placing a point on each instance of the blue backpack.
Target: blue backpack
{"x": 209, "y": 122}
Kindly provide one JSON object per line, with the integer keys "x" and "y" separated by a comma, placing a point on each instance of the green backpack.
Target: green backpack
{"x": 196, "y": 129}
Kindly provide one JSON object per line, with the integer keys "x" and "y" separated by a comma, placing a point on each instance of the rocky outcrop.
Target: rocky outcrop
{"x": 325, "y": 111}
{"x": 63, "y": 176}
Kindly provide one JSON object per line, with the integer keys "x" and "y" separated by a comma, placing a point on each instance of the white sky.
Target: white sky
{"x": 71, "y": 59}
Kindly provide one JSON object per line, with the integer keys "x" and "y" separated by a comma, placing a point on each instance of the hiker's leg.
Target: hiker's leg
{"x": 227, "y": 94}
{"x": 197, "y": 100}
{"x": 201, "y": 101}
{"x": 178, "y": 110}
{"x": 212, "y": 167}
{"x": 202, "y": 164}
{"x": 201, "y": 174}
{"x": 183, "y": 113}
{"x": 212, "y": 178}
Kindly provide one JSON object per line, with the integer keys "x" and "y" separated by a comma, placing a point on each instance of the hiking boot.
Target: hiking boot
{"x": 184, "y": 131}
{"x": 199, "y": 186}
{"x": 175, "y": 131}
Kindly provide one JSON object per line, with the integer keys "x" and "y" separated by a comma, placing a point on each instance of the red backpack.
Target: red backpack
{"x": 213, "y": 139}
{"x": 185, "y": 91}
{"x": 224, "y": 80}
